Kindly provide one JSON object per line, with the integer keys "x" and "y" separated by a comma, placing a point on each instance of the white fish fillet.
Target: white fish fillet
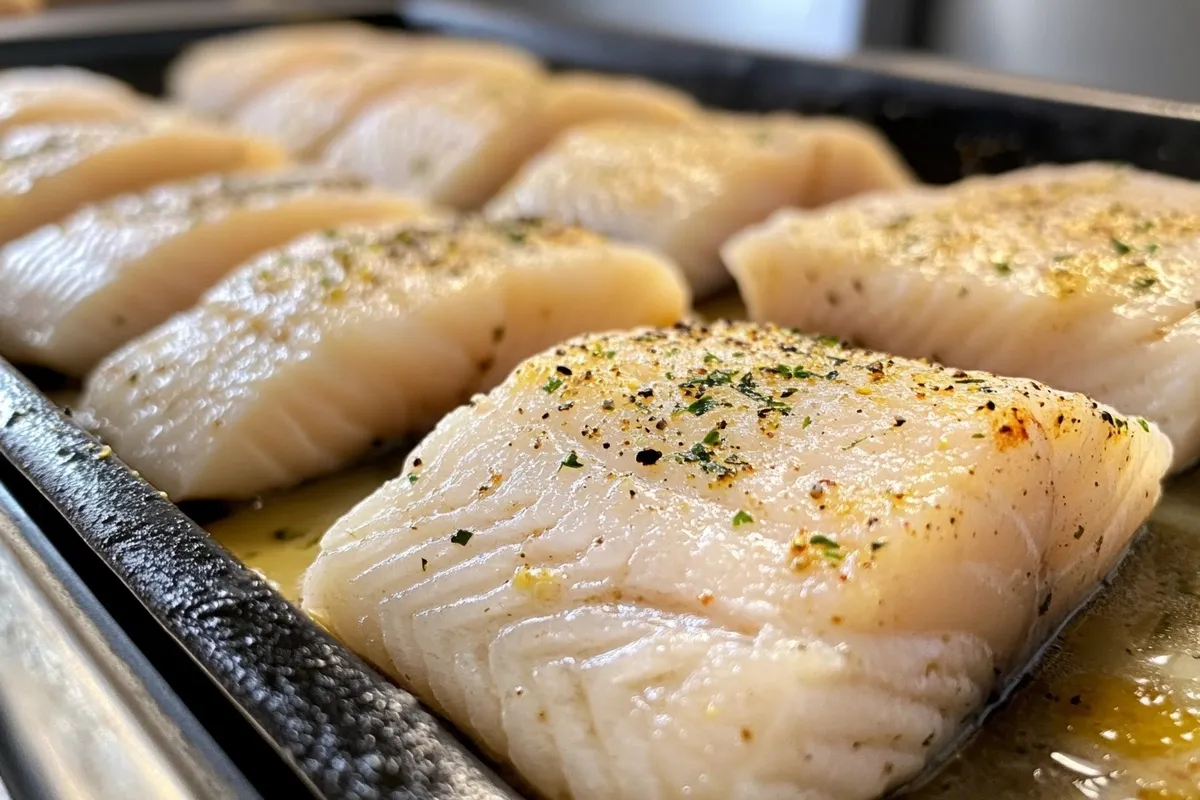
{"x": 36, "y": 95}
{"x": 73, "y": 292}
{"x": 732, "y": 563}
{"x": 685, "y": 190}
{"x": 297, "y": 361}
{"x": 216, "y": 77}
{"x": 1083, "y": 277}
{"x": 48, "y": 171}
{"x": 307, "y": 111}
{"x": 456, "y": 142}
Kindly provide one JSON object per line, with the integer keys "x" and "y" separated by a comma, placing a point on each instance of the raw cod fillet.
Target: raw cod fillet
{"x": 456, "y": 142}
{"x": 48, "y": 171}
{"x": 36, "y": 95}
{"x": 218, "y": 76}
{"x": 1083, "y": 277}
{"x": 306, "y": 112}
{"x": 296, "y": 362}
{"x": 686, "y": 189}
{"x": 732, "y": 563}
{"x": 73, "y": 292}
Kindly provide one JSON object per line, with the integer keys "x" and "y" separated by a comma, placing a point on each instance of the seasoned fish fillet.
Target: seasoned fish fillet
{"x": 297, "y": 361}
{"x": 1083, "y": 277}
{"x": 48, "y": 171}
{"x": 73, "y": 292}
{"x": 305, "y": 112}
{"x": 686, "y": 189}
{"x": 456, "y": 142}
{"x": 216, "y": 77}
{"x": 63, "y": 94}
{"x": 732, "y": 563}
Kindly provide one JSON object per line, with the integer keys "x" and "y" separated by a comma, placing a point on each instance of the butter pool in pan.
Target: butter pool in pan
{"x": 1113, "y": 711}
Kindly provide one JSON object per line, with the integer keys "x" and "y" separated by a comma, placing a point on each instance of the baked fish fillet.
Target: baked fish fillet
{"x": 1083, "y": 277}
{"x": 72, "y": 292}
{"x": 35, "y": 95}
{"x": 217, "y": 76}
{"x": 297, "y": 361}
{"x": 686, "y": 189}
{"x": 307, "y": 111}
{"x": 456, "y": 142}
{"x": 48, "y": 171}
{"x": 732, "y": 562}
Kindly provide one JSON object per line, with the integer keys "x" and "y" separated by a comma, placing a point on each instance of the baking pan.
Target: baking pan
{"x": 298, "y": 714}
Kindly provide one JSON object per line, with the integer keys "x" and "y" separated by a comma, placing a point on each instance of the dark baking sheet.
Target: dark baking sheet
{"x": 266, "y": 680}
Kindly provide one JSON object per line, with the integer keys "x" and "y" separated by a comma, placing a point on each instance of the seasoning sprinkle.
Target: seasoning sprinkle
{"x": 461, "y": 537}
{"x": 552, "y": 385}
{"x": 571, "y": 461}
{"x": 742, "y": 518}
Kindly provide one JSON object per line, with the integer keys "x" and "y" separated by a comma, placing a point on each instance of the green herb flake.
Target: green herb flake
{"x": 828, "y": 547}
{"x": 718, "y": 377}
{"x": 461, "y": 537}
{"x": 709, "y": 358}
{"x": 413, "y": 478}
{"x": 1078, "y": 533}
{"x": 571, "y": 461}
{"x": 1144, "y": 283}
{"x": 742, "y": 518}
{"x": 1120, "y": 247}
{"x": 610, "y": 353}
{"x": 1144, "y": 424}
{"x": 1152, "y": 248}
{"x": 829, "y": 341}
{"x": 1061, "y": 257}
{"x": 713, "y": 437}
{"x": 807, "y": 421}
{"x": 702, "y": 406}
{"x": 978, "y": 436}
{"x": 552, "y": 385}
{"x": 1002, "y": 267}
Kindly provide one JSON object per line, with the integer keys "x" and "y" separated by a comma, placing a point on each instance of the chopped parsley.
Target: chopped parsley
{"x": 713, "y": 437}
{"x": 828, "y": 547}
{"x": 1144, "y": 425}
{"x": 1120, "y": 247}
{"x": 413, "y": 478}
{"x": 1144, "y": 283}
{"x": 710, "y": 358}
{"x": 571, "y": 461}
{"x": 718, "y": 377}
{"x": 829, "y": 341}
{"x": 1151, "y": 248}
{"x": 742, "y": 518}
{"x": 807, "y": 421}
{"x": 1002, "y": 267}
{"x": 552, "y": 385}
{"x": 978, "y": 435}
{"x": 702, "y": 406}
{"x": 461, "y": 537}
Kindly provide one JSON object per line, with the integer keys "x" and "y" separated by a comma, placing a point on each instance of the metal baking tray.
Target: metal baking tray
{"x": 297, "y": 714}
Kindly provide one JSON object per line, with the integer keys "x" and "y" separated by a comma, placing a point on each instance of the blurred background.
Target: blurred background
{"x": 1145, "y": 47}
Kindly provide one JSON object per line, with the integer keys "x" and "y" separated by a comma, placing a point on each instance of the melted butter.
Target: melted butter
{"x": 279, "y": 536}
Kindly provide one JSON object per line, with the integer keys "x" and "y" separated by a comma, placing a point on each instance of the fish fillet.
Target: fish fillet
{"x": 73, "y": 292}
{"x": 216, "y": 77}
{"x": 732, "y": 562}
{"x": 48, "y": 171}
{"x": 1082, "y": 277}
{"x": 297, "y": 361}
{"x": 685, "y": 190}
{"x": 63, "y": 94}
{"x": 307, "y": 111}
{"x": 456, "y": 142}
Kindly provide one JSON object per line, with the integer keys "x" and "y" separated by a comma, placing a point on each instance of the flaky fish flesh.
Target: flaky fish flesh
{"x": 36, "y": 95}
{"x": 72, "y": 292}
{"x": 1083, "y": 277}
{"x": 732, "y": 562}
{"x": 456, "y": 142}
{"x": 307, "y": 111}
{"x": 48, "y": 171}
{"x": 299, "y": 360}
{"x": 218, "y": 76}
{"x": 686, "y": 189}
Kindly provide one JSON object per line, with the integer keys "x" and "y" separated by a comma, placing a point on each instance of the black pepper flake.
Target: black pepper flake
{"x": 1078, "y": 532}
{"x": 900, "y": 421}
{"x": 648, "y": 457}
{"x": 1045, "y": 606}
{"x": 563, "y": 370}
{"x": 424, "y": 564}
{"x": 461, "y": 537}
